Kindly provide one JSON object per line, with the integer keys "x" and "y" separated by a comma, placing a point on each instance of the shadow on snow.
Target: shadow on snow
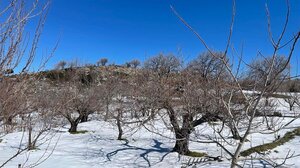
{"x": 155, "y": 148}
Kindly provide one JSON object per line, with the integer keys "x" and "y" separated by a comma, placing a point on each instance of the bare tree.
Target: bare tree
{"x": 121, "y": 106}
{"x": 290, "y": 87}
{"x": 108, "y": 88}
{"x": 269, "y": 79}
{"x": 135, "y": 63}
{"x": 207, "y": 66}
{"x": 102, "y": 62}
{"x": 187, "y": 97}
{"x": 127, "y": 64}
{"x": 15, "y": 48}
{"x": 37, "y": 116}
{"x": 77, "y": 99}
{"x": 61, "y": 65}
{"x": 291, "y": 99}
{"x": 163, "y": 64}
{"x": 259, "y": 67}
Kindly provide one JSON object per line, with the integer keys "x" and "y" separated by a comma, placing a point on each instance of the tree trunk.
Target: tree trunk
{"x": 30, "y": 144}
{"x": 84, "y": 118}
{"x": 73, "y": 127}
{"x": 152, "y": 113}
{"x": 182, "y": 142}
{"x": 182, "y": 134}
{"x": 234, "y": 131}
{"x": 9, "y": 120}
{"x": 235, "y": 134}
{"x": 267, "y": 101}
{"x": 106, "y": 112}
{"x": 119, "y": 125}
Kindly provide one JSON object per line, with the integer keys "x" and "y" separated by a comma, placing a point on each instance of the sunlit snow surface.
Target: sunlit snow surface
{"x": 99, "y": 147}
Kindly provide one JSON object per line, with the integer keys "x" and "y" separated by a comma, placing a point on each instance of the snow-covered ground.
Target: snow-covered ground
{"x": 96, "y": 148}
{"x": 99, "y": 148}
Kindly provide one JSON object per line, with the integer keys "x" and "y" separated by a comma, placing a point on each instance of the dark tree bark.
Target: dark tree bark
{"x": 74, "y": 123}
{"x": 106, "y": 111}
{"x": 119, "y": 125}
{"x": 267, "y": 103}
{"x": 84, "y": 118}
{"x": 30, "y": 144}
{"x": 73, "y": 127}
{"x": 291, "y": 104}
{"x": 182, "y": 142}
{"x": 235, "y": 133}
{"x": 9, "y": 120}
{"x": 182, "y": 133}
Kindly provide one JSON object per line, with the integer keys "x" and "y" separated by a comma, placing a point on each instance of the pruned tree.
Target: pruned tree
{"x": 77, "y": 100}
{"x": 291, "y": 99}
{"x": 268, "y": 80}
{"x": 121, "y": 106}
{"x": 108, "y": 88}
{"x": 187, "y": 97}
{"x": 146, "y": 94}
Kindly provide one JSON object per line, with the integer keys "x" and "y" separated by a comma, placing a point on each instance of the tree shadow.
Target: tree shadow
{"x": 146, "y": 151}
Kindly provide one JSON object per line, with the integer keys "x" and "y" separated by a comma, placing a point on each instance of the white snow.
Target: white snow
{"x": 99, "y": 148}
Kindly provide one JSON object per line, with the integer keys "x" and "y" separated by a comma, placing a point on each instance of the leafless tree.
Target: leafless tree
{"x": 61, "y": 65}
{"x": 187, "y": 96}
{"x": 259, "y": 68}
{"x": 291, "y": 89}
{"x": 10, "y": 105}
{"x": 17, "y": 51}
{"x": 207, "y": 66}
{"x": 108, "y": 88}
{"x": 135, "y": 63}
{"x": 37, "y": 116}
{"x": 102, "y": 62}
{"x": 146, "y": 94}
{"x": 121, "y": 106}
{"x": 127, "y": 64}
{"x": 267, "y": 82}
{"x": 291, "y": 99}
{"x": 77, "y": 99}
{"x": 163, "y": 64}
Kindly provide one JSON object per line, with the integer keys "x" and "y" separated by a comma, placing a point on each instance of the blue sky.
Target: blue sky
{"x": 122, "y": 30}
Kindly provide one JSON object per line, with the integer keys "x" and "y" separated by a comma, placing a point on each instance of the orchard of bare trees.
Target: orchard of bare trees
{"x": 214, "y": 99}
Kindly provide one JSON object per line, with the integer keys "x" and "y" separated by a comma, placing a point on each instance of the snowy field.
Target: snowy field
{"x": 98, "y": 147}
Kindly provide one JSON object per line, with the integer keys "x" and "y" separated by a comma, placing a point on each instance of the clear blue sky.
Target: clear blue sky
{"x": 122, "y": 30}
